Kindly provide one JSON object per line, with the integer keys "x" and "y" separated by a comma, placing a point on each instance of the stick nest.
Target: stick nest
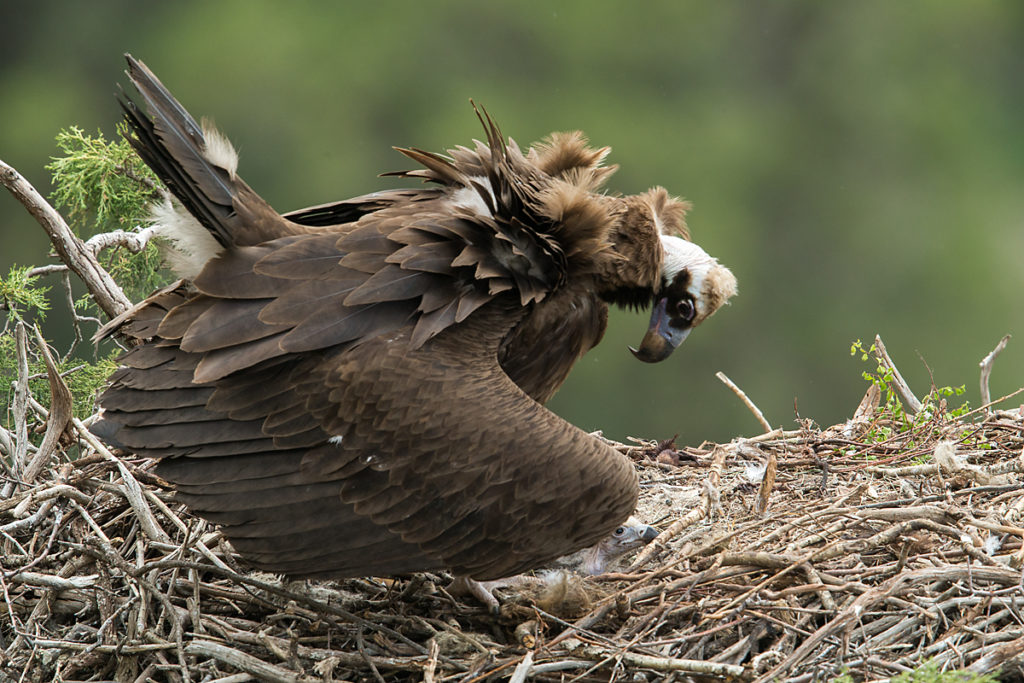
{"x": 785, "y": 556}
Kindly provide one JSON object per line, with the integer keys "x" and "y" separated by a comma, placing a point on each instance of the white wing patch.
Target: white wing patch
{"x": 188, "y": 245}
{"x": 469, "y": 198}
{"x": 218, "y": 149}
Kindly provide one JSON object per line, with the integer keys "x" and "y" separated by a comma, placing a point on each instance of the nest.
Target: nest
{"x": 787, "y": 556}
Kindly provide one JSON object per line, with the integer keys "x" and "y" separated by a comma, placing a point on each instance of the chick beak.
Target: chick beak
{"x": 661, "y": 338}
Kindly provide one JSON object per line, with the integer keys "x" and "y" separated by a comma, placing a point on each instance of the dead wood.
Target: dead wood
{"x": 71, "y": 250}
{"x": 102, "y": 572}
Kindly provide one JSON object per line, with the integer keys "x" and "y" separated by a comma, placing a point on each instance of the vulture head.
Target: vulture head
{"x": 627, "y": 537}
{"x": 681, "y": 283}
{"x": 693, "y": 286}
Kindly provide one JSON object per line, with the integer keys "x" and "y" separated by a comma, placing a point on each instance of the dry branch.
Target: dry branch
{"x": 71, "y": 250}
{"x": 912, "y": 402}
{"x": 132, "y": 241}
{"x": 746, "y": 400}
{"x": 19, "y": 461}
{"x": 58, "y": 415}
{"x": 986, "y": 367}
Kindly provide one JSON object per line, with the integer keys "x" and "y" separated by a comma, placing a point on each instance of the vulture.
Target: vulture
{"x": 357, "y": 388}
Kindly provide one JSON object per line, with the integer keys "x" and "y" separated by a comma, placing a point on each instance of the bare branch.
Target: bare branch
{"x": 746, "y": 400}
{"x": 21, "y": 397}
{"x": 132, "y": 241}
{"x": 913, "y": 404}
{"x": 70, "y": 249}
{"x": 242, "y": 661}
{"x": 986, "y": 368}
{"x": 59, "y": 415}
{"x": 46, "y": 270}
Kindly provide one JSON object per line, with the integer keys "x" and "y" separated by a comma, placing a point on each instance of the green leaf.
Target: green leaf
{"x": 19, "y": 292}
{"x": 100, "y": 184}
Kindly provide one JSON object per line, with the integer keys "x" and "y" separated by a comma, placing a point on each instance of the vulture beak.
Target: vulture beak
{"x": 649, "y": 534}
{"x": 662, "y": 337}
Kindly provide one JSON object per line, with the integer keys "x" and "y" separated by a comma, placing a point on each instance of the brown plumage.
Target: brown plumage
{"x": 357, "y": 388}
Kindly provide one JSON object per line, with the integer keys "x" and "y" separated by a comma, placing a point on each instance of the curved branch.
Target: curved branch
{"x": 132, "y": 241}
{"x": 70, "y": 249}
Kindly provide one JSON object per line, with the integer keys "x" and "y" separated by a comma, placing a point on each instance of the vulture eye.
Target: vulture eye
{"x": 685, "y": 309}
{"x": 620, "y": 530}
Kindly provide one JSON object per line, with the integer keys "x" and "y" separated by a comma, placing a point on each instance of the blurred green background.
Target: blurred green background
{"x": 859, "y": 165}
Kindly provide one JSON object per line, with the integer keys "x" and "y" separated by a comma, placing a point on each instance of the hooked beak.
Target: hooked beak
{"x": 649, "y": 534}
{"x": 661, "y": 338}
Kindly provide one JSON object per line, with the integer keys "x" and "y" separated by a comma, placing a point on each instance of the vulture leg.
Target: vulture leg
{"x": 481, "y": 590}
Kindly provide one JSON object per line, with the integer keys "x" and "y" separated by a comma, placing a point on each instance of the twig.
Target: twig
{"x": 6, "y": 447}
{"x": 47, "y": 270}
{"x": 899, "y": 384}
{"x": 30, "y": 521}
{"x": 76, "y": 319}
{"x": 263, "y": 671}
{"x": 132, "y": 241}
{"x": 71, "y": 250}
{"x": 746, "y": 400}
{"x": 986, "y": 367}
{"x": 59, "y": 414}
{"x": 522, "y": 669}
{"x": 18, "y": 462}
{"x": 985, "y": 406}
{"x": 103, "y": 649}
{"x": 667, "y": 663}
{"x": 132, "y": 489}
{"x": 431, "y": 667}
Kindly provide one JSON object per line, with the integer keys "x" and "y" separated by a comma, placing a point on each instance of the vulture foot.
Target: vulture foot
{"x": 483, "y": 590}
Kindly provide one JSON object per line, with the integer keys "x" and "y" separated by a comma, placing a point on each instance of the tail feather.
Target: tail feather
{"x": 197, "y": 164}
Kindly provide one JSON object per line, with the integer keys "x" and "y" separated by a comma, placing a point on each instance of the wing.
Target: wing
{"x": 379, "y": 459}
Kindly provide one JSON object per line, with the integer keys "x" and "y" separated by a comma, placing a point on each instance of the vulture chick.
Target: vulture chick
{"x": 600, "y": 557}
{"x": 356, "y": 389}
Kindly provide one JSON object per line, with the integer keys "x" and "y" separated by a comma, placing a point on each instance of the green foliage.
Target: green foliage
{"x": 930, "y": 672}
{"x": 100, "y": 186}
{"x": 100, "y": 183}
{"x": 22, "y": 299}
{"x": 19, "y": 291}
{"x": 892, "y": 418}
{"x": 103, "y": 186}
{"x": 84, "y": 379}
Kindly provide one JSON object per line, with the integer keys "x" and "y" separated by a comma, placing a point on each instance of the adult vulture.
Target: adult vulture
{"x": 356, "y": 389}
